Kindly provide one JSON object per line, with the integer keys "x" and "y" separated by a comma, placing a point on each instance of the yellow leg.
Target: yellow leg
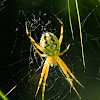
{"x": 39, "y": 47}
{"x": 62, "y": 26}
{"x": 61, "y": 34}
{"x": 64, "y": 50}
{"x": 45, "y": 78}
{"x": 65, "y": 69}
{"x": 43, "y": 55}
{"x": 42, "y": 74}
{"x": 65, "y": 72}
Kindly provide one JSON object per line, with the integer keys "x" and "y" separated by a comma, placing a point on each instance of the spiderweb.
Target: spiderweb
{"x": 21, "y": 66}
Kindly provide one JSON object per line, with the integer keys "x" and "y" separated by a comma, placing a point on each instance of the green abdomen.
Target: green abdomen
{"x": 50, "y": 44}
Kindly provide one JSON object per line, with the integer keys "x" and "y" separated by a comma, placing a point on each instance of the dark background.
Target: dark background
{"x": 14, "y": 63}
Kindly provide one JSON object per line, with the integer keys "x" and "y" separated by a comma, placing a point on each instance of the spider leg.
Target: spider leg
{"x": 43, "y": 55}
{"x": 45, "y": 78}
{"x": 62, "y": 26}
{"x": 65, "y": 69}
{"x": 61, "y": 34}
{"x": 39, "y": 47}
{"x": 64, "y": 50}
{"x": 65, "y": 72}
{"x": 42, "y": 74}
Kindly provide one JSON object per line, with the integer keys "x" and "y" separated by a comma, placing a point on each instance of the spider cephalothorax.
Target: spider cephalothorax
{"x": 50, "y": 44}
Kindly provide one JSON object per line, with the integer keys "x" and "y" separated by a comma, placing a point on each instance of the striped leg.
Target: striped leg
{"x": 43, "y": 55}
{"x": 39, "y": 47}
{"x": 61, "y": 34}
{"x": 62, "y": 26}
{"x": 64, "y": 50}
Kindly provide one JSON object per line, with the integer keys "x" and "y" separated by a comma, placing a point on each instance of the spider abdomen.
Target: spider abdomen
{"x": 50, "y": 44}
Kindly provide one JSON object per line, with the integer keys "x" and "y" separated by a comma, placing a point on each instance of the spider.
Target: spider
{"x": 50, "y": 46}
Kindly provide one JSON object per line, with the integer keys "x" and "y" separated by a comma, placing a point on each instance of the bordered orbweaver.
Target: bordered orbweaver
{"x": 50, "y": 46}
